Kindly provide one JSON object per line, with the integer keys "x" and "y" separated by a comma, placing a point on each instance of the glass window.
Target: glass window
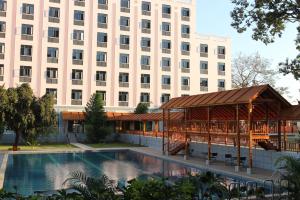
{"x": 54, "y": 12}
{"x": 146, "y": 6}
{"x": 145, "y": 60}
{"x": 185, "y": 29}
{"x": 185, "y": 46}
{"x": 101, "y": 56}
{"x": 124, "y": 39}
{"x": 166, "y": 44}
{"x": 52, "y": 91}
{"x": 165, "y": 98}
{"x": 166, "y": 80}
{"x": 123, "y": 96}
{"x": 27, "y": 29}
{"x": 101, "y": 37}
{"x": 145, "y": 97}
{"x": 124, "y": 21}
{"x": 3, "y": 5}
{"x": 221, "y": 67}
{"x": 166, "y": 26}
{"x": 103, "y": 2}
{"x": 203, "y": 48}
{"x": 2, "y": 27}
{"x": 221, "y": 50}
{"x": 28, "y": 9}
{"x": 78, "y": 35}
{"x": 125, "y": 3}
{"x": 52, "y": 72}
{"x": 102, "y": 18}
{"x": 166, "y": 62}
{"x": 146, "y": 24}
{"x": 145, "y": 78}
{"x": 185, "y": 63}
{"x": 146, "y": 42}
{"x": 185, "y": 12}
{"x": 78, "y": 15}
{"x": 1, "y": 69}
{"x": 52, "y": 52}
{"x": 25, "y": 71}
{"x": 203, "y": 82}
{"x": 76, "y": 94}
{"x": 26, "y": 50}
{"x": 101, "y": 76}
{"x": 221, "y": 83}
{"x": 166, "y": 9}
{"x": 77, "y": 54}
{"x": 102, "y": 95}
{"x": 124, "y": 58}
{"x": 77, "y": 74}
{"x": 185, "y": 81}
{"x": 123, "y": 77}
{"x": 53, "y": 32}
{"x": 204, "y": 65}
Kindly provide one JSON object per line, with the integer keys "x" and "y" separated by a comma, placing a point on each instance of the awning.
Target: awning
{"x": 78, "y": 116}
{"x": 150, "y": 117}
{"x": 292, "y": 113}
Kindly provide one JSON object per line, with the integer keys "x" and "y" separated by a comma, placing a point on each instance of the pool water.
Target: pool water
{"x": 28, "y": 173}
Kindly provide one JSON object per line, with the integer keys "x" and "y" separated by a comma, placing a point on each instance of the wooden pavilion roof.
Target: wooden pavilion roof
{"x": 149, "y": 117}
{"x": 228, "y": 97}
{"x": 292, "y": 113}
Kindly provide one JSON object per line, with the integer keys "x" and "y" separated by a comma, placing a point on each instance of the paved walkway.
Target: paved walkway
{"x": 83, "y": 146}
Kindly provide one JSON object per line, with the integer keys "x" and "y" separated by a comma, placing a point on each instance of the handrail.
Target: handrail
{"x": 272, "y": 186}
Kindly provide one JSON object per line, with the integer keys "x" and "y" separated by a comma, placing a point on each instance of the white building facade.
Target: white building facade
{"x": 129, "y": 51}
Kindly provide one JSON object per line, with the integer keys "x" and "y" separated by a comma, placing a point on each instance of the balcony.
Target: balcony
{"x": 52, "y": 60}
{"x": 76, "y": 102}
{"x": 51, "y": 80}
{"x": 145, "y": 67}
{"x": 221, "y": 56}
{"x": 123, "y": 103}
{"x": 185, "y": 35}
{"x": 124, "y": 65}
{"x": 124, "y": 84}
{"x": 166, "y": 86}
{"x": 203, "y": 71}
{"x": 79, "y": 3}
{"x": 167, "y": 51}
{"x": 125, "y": 28}
{"x": 102, "y": 25}
{"x": 1, "y": 56}
{"x": 77, "y": 62}
{"x": 79, "y": 22}
{"x": 26, "y": 58}
{"x": 78, "y": 42}
{"x": 204, "y": 54}
{"x": 77, "y": 82}
{"x": 185, "y": 53}
{"x": 2, "y": 34}
{"x": 166, "y": 69}
{"x": 147, "y": 49}
{"x": 27, "y": 16}
{"x": 25, "y": 79}
{"x": 185, "y": 87}
{"x": 2, "y": 13}
{"x": 53, "y": 39}
{"x": 124, "y": 46}
{"x": 103, "y": 6}
{"x": 185, "y": 18}
{"x": 166, "y": 33}
{"x": 166, "y": 15}
{"x": 101, "y": 44}
{"x": 27, "y": 37}
{"x": 1, "y": 77}
{"x": 146, "y": 30}
{"x": 221, "y": 89}
{"x": 53, "y": 19}
{"x": 126, "y": 10}
{"x": 185, "y": 70}
{"x": 146, "y": 12}
{"x": 100, "y": 83}
{"x": 145, "y": 85}
{"x": 203, "y": 88}
{"x": 54, "y": 1}
{"x": 221, "y": 73}
{"x": 101, "y": 63}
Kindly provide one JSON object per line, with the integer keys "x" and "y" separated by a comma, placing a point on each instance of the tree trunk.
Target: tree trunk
{"x": 17, "y": 138}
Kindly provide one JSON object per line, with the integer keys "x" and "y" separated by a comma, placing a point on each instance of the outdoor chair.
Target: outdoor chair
{"x": 228, "y": 158}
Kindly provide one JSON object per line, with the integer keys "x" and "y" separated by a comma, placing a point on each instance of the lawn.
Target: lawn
{"x": 39, "y": 147}
{"x": 112, "y": 145}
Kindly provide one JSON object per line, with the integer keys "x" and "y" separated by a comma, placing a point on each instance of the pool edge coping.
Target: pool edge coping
{"x": 3, "y": 169}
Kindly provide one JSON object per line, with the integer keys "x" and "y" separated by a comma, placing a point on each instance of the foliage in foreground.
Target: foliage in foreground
{"x": 141, "y": 108}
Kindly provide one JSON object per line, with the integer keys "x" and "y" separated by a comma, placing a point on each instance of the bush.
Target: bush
{"x": 98, "y": 136}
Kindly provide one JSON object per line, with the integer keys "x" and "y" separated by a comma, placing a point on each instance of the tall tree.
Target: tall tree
{"x": 27, "y": 115}
{"x": 141, "y": 108}
{"x": 268, "y": 20}
{"x": 95, "y": 119}
{"x": 251, "y": 70}
{"x": 3, "y": 103}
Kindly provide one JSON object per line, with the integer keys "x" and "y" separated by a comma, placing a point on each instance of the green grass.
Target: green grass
{"x": 112, "y": 145}
{"x": 39, "y": 147}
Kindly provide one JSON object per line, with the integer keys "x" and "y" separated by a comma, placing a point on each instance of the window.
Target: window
{"x": 52, "y": 91}
{"x": 124, "y": 58}
{"x": 203, "y": 48}
{"x": 166, "y": 44}
{"x": 27, "y": 29}
{"x": 76, "y": 94}
{"x": 124, "y": 40}
{"x": 185, "y": 81}
{"x": 166, "y": 80}
{"x": 78, "y": 35}
{"x": 123, "y": 77}
{"x": 77, "y": 74}
{"x": 185, "y": 63}
{"x": 185, "y": 12}
{"x": 78, "y": 15}
{"x": 52, "y": 52}
{"x": 101, "y": 56}
{"x": 25, "y": 71}
{"x": 125, "y": 3}
{"x": 53, "y": 32}
{"x": 145, "y": 78}
{"x": 102, "y": 18}
{"x": 221, "y": 83}
{"x": 145, "y": 60}
{"x": 52, "y": 73}
{"x": 203, "y": 82}
{"x": 145, "y": 97}
{"x": 146, "y": 6}
{"x": 124, "y": 21}
{"x": 166, "y": 26}
{"x": 166, "y": 62}
{"x": 54, "y": 12}
{"x": 146, "y": 42}
{"x": 77, "y": 54}
{"x": 123, "y": 96}
{"x": 166, "y": 9}
{"x": 102, "y": 95}
{"x": 2, "y": 48}
{"x": 185, "y": 29}
{"x": 221, "y": 50}
{"x": 100, "y": 76}
{"x": 165, "y": 98}
{"x": 1, "y": 69}
{"x": 203, "y": 65}
{"x": 102, "y": 37}
{"x": 146, "y": 24}
{"x": 2, "y": 27}
{"x": 102, "y": 2}
{"x": 221, "y": 67}
{"x": 185, "y": 46}
{"x": 3, "y": 6}
{"x": 26, "y": 50}
{"x": 28, "y": 9}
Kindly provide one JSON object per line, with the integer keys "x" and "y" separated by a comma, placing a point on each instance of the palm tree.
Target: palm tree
{"x": 291, "y": 166}
{"x": 91, "y": 188}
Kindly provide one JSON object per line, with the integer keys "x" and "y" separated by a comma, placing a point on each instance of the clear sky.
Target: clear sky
{"x": 213, "y": 17}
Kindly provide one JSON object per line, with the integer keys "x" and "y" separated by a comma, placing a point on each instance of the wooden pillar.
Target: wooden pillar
{"x": 227, "y": 133}
{"x": 168, "y": 129}
{"x": 144, "y": 128}
{"x": 279, "y": 134}
{"x": 237, "y": 116}
{"x": 156, "y": 128}
{"x": 284, "y": 135}
{"x": 267, "y": 119}
{"x": 163, "y": 133}
{"x": 208, "y": 133}
{"x": 250, "y": 160}
{"x": 185, "y": 140}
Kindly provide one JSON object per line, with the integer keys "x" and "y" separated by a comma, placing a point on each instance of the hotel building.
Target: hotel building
{"x": 129, "y": 51}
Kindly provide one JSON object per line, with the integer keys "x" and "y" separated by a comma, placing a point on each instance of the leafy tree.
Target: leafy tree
{"x": 141, "y": 108}
{"x": 3, "y": 104}
{"x": 95, "y": 119}
{"x": 27, "y": 115}
{"x": 268, "y": 19}
{"x": 251, "y": 70}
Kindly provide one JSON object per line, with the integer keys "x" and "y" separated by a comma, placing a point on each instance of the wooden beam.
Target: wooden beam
{"x": 186, "y": 141}
{"x": 168, "y": 129}
{"x": 208, "y": 131}
{"x": 238, "y": 135}
{"x": 250, "y": 160}
{"x": 163, "y": 136}
{"x": 279, "y": 134}
{"x": 284, "y": 135}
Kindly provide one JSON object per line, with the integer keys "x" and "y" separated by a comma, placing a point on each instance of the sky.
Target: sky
{"x": 213, "y": 18}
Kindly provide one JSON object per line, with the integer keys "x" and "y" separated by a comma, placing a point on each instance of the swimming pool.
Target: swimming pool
{"x": 29, "y": 173}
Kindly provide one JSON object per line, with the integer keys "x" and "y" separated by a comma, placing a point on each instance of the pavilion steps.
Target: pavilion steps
{"x": 176, "y": 148}
{"x": 267, "y": 145}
